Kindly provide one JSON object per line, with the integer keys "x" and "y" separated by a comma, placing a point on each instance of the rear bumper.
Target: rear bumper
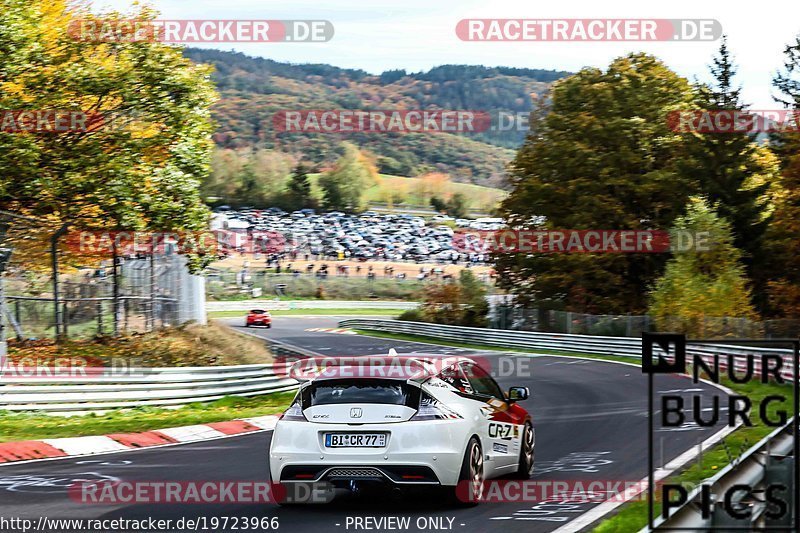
{"x": 431, "y": 449}
{"x": 392, "y": 474}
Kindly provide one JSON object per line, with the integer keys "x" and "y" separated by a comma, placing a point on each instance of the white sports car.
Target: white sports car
{"x": 424, "y": 421}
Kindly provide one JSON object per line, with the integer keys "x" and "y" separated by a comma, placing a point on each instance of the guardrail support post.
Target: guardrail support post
{"x": 54, "y": 259}
{"x": 780, "y": 471}
{"x": 115, "y": 286}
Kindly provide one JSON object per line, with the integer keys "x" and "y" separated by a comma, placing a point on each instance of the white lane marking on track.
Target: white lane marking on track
{"x": 191, "y": 433}
{"x": 81, "y": 445}
{"x": 53, "y": 483}
{"x": 263, "y": 422}
{"x": 336, "y": 331}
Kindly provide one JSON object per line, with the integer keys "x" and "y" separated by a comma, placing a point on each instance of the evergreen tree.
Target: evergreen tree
{"x": 457, "y": 206}
{"x": 782, "y": 241}
{"x": 300, "y": 187}
{"x": 700, "y": 286}
{"x": 249, "y": 189}
{"x": 438, "y": 204}
{"x": 731, "y": 170}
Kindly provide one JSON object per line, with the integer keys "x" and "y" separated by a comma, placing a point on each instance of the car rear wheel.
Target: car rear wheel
{"x": 526, "y": 453}
{"x": 469, "y": 490}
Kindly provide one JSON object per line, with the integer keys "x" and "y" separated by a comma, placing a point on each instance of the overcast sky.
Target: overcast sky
{"x": 377, "y": 35}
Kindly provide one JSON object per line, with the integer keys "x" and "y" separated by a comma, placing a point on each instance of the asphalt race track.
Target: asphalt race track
{"x": 590, "y": 420}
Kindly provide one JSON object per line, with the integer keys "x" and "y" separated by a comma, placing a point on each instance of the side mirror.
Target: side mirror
{"x": 518, "y": 393}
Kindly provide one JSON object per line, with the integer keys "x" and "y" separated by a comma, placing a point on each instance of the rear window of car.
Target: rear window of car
{"x": 374, "y": 391}
{"x": 257, "y": 311}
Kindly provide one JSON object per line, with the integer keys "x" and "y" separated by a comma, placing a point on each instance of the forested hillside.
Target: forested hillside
{"x": 253, "y": 89}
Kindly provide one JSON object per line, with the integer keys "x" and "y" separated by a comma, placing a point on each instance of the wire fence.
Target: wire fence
{"x": 239, "y": 285}
{"x": 554, "y": 321}
{"x": 151, "y": 292}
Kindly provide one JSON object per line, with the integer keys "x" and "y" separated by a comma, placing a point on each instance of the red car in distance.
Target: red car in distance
{"x": 258, "y": 317}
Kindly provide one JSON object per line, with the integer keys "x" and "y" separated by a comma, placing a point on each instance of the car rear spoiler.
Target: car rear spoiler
{"x": 413, "y": 368}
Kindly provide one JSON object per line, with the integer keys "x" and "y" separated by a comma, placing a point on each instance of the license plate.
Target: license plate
{"x": 355, "y": 440}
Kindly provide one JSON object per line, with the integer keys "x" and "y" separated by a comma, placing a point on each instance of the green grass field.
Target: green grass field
{"x": 415, "y": 192}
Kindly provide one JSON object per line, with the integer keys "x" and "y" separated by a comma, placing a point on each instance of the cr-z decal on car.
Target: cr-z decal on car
{"x": 503, "y": 431}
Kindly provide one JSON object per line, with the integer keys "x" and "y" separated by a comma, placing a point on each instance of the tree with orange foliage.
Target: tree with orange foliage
{"x": 139, "y": 165}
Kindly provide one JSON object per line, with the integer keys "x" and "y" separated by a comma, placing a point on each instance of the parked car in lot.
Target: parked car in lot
{"x": 423, "y": 424}
{"x": 258, "y": 317}
{"x": 369, "y": 236}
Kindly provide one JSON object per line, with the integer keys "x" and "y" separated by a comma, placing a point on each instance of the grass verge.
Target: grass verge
{"x": 34, "y": 426}
{"x": 632, "y": 516}
{"x": 312, "y": 312}
{"x": 188, "y": 345}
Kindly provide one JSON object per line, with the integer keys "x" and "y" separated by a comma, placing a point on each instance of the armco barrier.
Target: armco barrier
{"x": 137, "y": 387}
{"x": 53, "y": 390}
{"x": 767, "y": 462}
{"x": 629, "y": 347}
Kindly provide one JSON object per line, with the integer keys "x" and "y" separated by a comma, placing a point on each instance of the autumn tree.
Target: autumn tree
{"x": 433, "y": 185}
{"x": 343, "y": 187}
{"x": 141, "y": 166}
{"x": 461, "y": 303}
{"x": 603, "y": 157}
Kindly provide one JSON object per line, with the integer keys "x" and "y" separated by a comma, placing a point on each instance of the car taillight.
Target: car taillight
{"x": 432, "y": 409}
{"x": 294, "y": 412}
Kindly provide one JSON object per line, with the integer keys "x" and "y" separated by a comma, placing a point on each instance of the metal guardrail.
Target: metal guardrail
{"x": 769, "y": 461}
{"x": 244, "y": 305}
{"x": 135, "y": 387}
{"x": 628, "y": 347}
{"x": 72, "y": 390}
